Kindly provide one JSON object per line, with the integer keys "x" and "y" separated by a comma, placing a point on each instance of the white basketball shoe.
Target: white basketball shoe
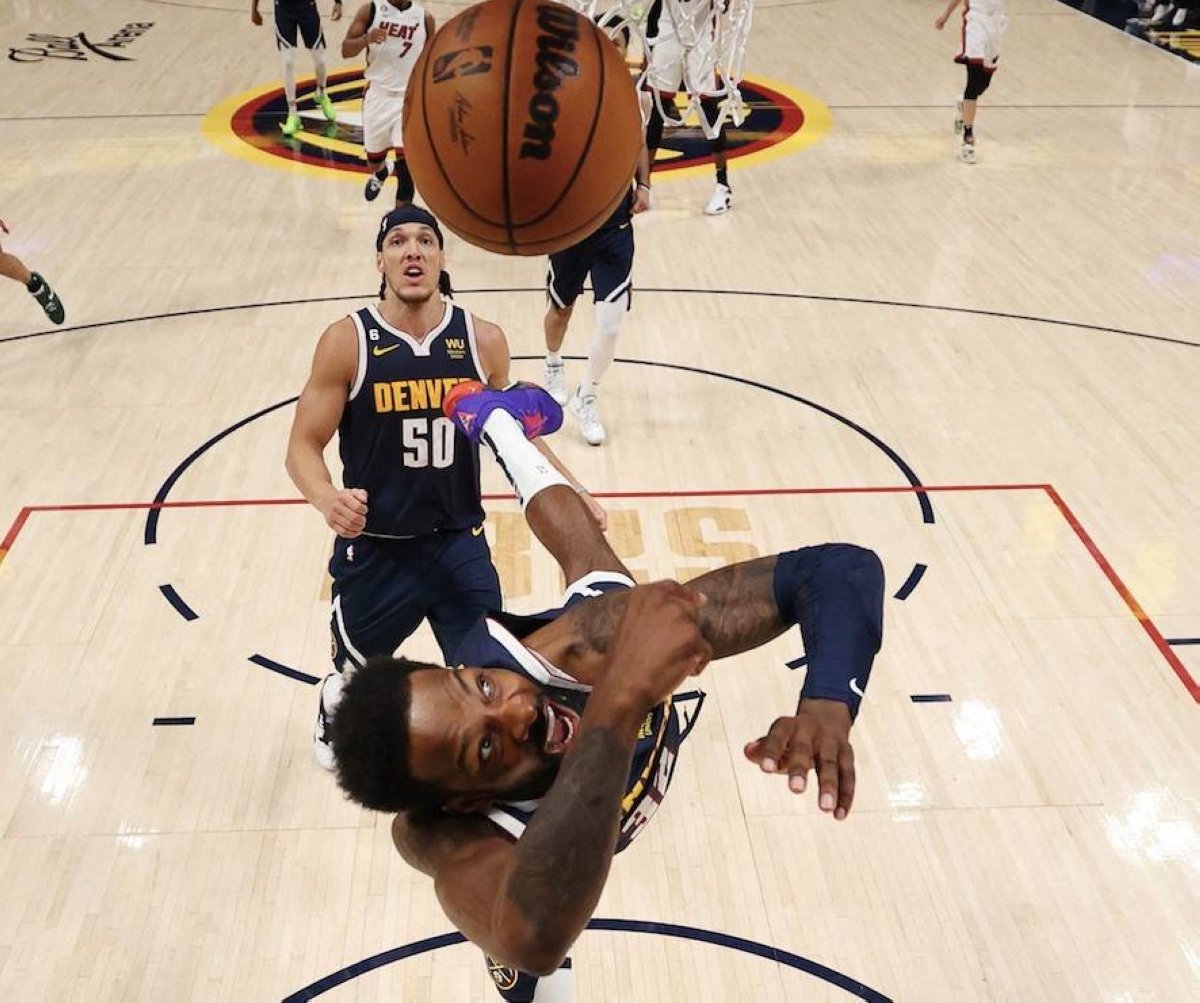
{"x": 584, "y": 410}
{"x": 721, "y": 201}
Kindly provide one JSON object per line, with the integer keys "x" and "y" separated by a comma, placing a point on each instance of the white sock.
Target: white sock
{"x": 554, "y": 358}
{"x": 603, "y": 346}
{"x": 527, "y": 470}
{"x": 289, "y": 77}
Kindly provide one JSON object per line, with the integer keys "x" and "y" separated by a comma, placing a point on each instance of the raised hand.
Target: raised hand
{"x": 816, "y": 738}
{"x": 658, "y": 643}
{"x": 595, "y": 510}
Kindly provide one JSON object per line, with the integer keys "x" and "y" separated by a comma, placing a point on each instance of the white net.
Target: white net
{"x": 696, "y": 48}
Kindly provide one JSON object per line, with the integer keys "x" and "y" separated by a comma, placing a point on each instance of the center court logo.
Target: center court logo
{"x": 781, "y": 120}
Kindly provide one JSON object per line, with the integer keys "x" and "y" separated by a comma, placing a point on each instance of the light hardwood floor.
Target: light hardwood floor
{"x": 870, "y": 305}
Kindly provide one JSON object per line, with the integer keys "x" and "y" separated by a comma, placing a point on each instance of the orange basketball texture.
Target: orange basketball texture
{"x": 521, "y": 126}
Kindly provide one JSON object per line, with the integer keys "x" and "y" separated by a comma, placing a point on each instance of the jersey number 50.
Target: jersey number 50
{"x": 427, "y": 443}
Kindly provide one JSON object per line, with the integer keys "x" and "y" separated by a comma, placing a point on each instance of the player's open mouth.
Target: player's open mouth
{"x": 414, "y": 272}
{"x": 561, "y": 725}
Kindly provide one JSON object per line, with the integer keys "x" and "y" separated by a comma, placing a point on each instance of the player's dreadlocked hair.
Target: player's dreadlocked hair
{"x": 369, "y": 734}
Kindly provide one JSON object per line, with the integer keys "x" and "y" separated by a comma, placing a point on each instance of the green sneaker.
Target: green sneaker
{"x": 291, "y": 126}
{"x": 47, "y": 298}
{"x": 327, "y": 107}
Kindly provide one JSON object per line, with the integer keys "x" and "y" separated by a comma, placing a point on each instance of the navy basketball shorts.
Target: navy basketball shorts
{"x": 383, "y": 589}
{"x": 607, "y": 255}
{"x": 303, "y": 20}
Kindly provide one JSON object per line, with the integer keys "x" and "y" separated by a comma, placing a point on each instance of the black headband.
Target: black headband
{"x": 407, "y": 214}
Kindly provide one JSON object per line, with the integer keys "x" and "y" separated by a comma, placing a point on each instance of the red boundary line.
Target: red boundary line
{"x": 1106, "y": 568}
{"x": 1135, "y": 607}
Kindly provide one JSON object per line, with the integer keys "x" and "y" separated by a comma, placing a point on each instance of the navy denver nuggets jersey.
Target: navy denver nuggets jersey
{"x": 420, "y": 475}
{"x": 494, "y": 642}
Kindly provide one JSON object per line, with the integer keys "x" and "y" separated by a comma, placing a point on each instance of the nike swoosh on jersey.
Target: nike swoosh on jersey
{"x": 376, "y": 350}
{"x": 477, "y": 531}
{"x": 855, "y": 688}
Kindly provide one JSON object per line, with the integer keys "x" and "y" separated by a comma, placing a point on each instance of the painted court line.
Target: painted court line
{"x": 1155, "y": 635}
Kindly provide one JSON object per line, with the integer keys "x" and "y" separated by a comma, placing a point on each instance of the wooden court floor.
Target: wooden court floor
{"x": 990, "y": 374}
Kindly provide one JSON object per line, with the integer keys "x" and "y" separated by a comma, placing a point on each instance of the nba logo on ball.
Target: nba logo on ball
{"x": 521, "y": 126}
{"x": 462, "y": 63}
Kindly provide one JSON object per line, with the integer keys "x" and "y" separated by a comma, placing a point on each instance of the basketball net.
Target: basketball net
{"x": 713, "y": 36}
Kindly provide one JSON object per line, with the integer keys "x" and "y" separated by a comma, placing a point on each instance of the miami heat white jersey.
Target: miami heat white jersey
{"x": 390, "y": 62}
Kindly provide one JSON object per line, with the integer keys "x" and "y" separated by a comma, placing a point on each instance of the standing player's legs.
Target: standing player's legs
{"x": 12, "y": 267}
{"x": 287, "y": 32}
{"x": 980, "y": 54}
{"x": 702, "y": 76}
{"x": 612, "y": 284}
{"x": 978, "y": 80}
{"x": 722, "y": 196}
{"x": 382, "y": 110}
{"x": 464, "y": 585}
{"x": 289, "y": 28}
{"x": 381, "y": 593}
{"x": 664, "y": 76}
{"x": 382, "y": 131}
{"x": 314, "y": 41}
{"x": 672, "y": 66}
{"x": 565, "y": 275}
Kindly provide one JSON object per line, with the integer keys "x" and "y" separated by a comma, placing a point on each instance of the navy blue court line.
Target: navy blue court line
{"x": 540, "y": 290}
{"x": 909, "y": 474}
{"x": 852, "y": 986}
{"x": 1182, "y": 640}
{"x": 911, "y": 582}
{"x": 796, "y": 663}
{"x": 283, "y": 670}
{"x": 923, "y": 501}
{"x": 173, "y": 720}
{"x": 152, "y": 514}
{"x": 174, "y": 598}
{"x": 930, "y": 698}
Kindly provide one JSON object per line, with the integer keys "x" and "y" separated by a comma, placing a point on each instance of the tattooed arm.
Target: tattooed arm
{"x": 834, "y": 593}
{"x": 525, "y": 903}
{"x": 739, "y": 614}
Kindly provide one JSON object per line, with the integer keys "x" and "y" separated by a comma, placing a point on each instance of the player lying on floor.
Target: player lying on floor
{"x": 518, "y": 775}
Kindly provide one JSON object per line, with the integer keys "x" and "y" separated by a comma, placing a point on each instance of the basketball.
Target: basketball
{"x": 521, "y": 126}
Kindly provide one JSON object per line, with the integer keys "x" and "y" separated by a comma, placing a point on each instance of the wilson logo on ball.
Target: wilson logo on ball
{"x": 560, "y": 32}
{"x": 462, "y": 63}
